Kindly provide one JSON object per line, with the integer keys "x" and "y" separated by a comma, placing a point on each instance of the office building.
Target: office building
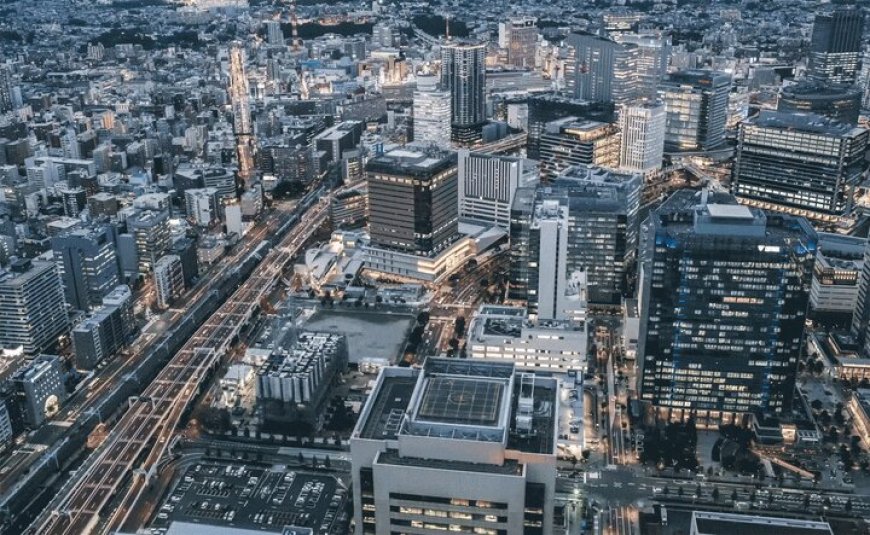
{"x": 40, "y": 389}
{"x": 219, "y": 178}
{"x": 100, "y": 335}
{"x": 599, "y": 69}
{"x": 546, "y": 107}
{"x": 413, "y": 200}
{"x": 499, "y": 333}
{"x": 724, "y": 290}
{"x": 836, "y": 46}
{"x": 463, "y": 73}
{"x": 836, "y": 276}
{"x": 7, "y": 102}
{"x": 603, "y": 227}
{"x": 861, "y": 316}
{"x": 274, "y": 35}
{"x": 338, "y": 139}
{"x": 837, "y": 102}
{"x": 458, "y": 445}
{"x": 520, "y": 38}
{"x": 487, "y": 184}
{"x": 168, "y": 280}
{"x": 696, "y": 103}
{"x": 799, "y": 163}
{"x": 202, "y": 206}
{"x": 88, "y": 265}
{"x": 521, "y": 216}
{"x": 32, "y": 311}
{"x": 432, "y": 117}
{"x": 652, "y": 57}
{"x": 721, "y": 523}
{"x": 568, "y": 142}
{"x": 642, "y": 143}
{"x": 150, "y": 231}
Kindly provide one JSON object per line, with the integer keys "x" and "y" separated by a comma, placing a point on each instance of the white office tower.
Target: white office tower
{"x": 652, "y": 55}
{"x": 487, "y": 184}
{"x": 233, "y": 219}
{"x": 201, "y": 205}
{"x": 274, "y": 35}
{"x": 168, "y": 280}
{"x": 431, "y": 112}
{"x": 559, "y": 295}
{"x": 457, "y": 446}
{"x": 642, "y": 126}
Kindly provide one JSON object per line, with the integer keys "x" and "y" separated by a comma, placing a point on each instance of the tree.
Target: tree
{"x": 715, "y": 494}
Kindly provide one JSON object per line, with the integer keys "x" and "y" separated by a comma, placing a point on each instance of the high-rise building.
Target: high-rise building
{"x": 603, "y": 227}
{"x": 521, "y": 216}
{"x": 653, "y": 54}
{"x": 456, "y": 445}
{"x": 6, "y": 97}
{"x": 413, "y": 200}
{"x": 487, "y": 184}
{"x": 274, "y": 35}
{"x": 724, "y": 290}
{"x": 799, "y": 163}
{"x": 835, "y": 46}
{"x": 150, "y": 230}
{"x": 520, "y": 38}
{"x": 599, "y": 69}
{"x": 168, "y": 280}
{"x": 201, "y": 206}
{"x": 696, "y": 102}
{"x": 32, "y": 311}
{"x": 838, "y": 102}
{"x": 431, "y": 112}
{"x": 836, "y": 276}
{"x": 546, "y": 107}
{"x": 88, "y": 265}
{"x": 106, "y": 331}
{"x": 463, "y": 73}
{"x": 642, "y": 127}
{"x": 569, "y": 141}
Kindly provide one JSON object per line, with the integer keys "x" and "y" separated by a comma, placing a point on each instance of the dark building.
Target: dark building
{"x": 185, "y": 250}
{"x": 724, "y": 293}
{"x": 88, "y": 265}
{"x": 413, "y": 203}
{"x": 463, "y": 73}
{"x": 697, "y": 109}
{"x": 835, "y": 47}
{"x": 599, "y": 69}
{"x": 838, "y": 102}
{"x": 799, "y": 163}
{"x": 547, "y": 107}
{"x": 522, "y": 214}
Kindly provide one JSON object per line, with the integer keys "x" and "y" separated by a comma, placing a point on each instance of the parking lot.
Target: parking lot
{"x": 251, "y": 497}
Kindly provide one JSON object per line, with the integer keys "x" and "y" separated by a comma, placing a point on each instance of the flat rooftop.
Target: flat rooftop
{"x": 235, "y": 498}
{"x": 388, "y": 408}
{"x": 369, "y": 335}
{"x": 461, "y": 401}
{"x": 803, "y": 122}
{"x": 714, "y": 523}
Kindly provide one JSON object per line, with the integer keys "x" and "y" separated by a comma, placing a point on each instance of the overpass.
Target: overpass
{"x": 134, "y": 446}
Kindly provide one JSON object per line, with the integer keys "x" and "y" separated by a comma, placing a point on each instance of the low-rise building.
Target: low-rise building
{"x": 718, "y": 523}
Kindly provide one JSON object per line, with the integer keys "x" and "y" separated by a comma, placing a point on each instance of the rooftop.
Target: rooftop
{"x": 804, "y": 122}
{"x": 461, "y": 401}
{"x": 713, "y": 523}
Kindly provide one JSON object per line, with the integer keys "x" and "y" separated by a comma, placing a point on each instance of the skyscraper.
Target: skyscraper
{"x": 642, "y": 127}
{"x": 274, "y": 35}
{"x": 520, "y": 38}
{"x": 412, "y": 200}
{"x": 724, "y": 292}
{"x": 652, "y": 56}
{"x": 799, "y": 163}
{"x": 150, "y": 230}
{"x": 463, "y": 73}
{"x": 6, "y": 99}
{"x": 487, "y": 184}
{"x": 697, "y": 109}
{"x": 599, "y": 69}
{"x": 570, "y": 141}
{"x": 835, "y": 46}
{"x": 168, "y": 280}
{"x": 546, "y": 107}
{"x": 431, "y": 112}
{"x": 602, "y": 232}
{"x": 32, "y": 311}
{"x": 88, "y": 265}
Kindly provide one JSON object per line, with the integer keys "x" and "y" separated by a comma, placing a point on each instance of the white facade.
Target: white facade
{"x": 559, "y": 295}
{"x": 408, "y": 266}
{"x": 487, "y": 185}
{"x": 642, "y": 126}
{"x": 834, "y": 287}
{"x": 168, "y": 280}
{"x": 431, "y": 112}
{"x": 201, "y": 206}
{"x": 505, "y": 334}
{"x": 233, "y": 219}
